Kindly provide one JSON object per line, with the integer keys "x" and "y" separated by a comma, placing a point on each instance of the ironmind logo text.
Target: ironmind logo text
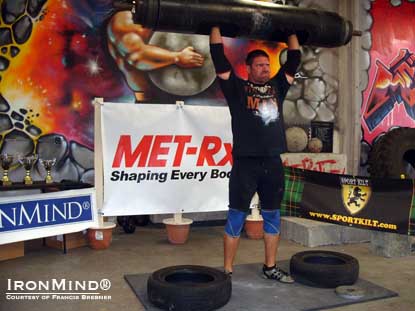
{"x": 39, "y": 213}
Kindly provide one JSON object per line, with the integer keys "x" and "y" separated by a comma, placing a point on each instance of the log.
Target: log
{"x": 243, "y": 18}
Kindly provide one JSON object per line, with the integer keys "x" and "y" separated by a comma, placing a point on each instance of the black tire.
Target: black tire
{"x": 120, "y": 220}
{"x": 188, "y": 288}
{"x": 324, "y": 269}
{"x": 373, "y": 160}
{"x": 127, "y": 223}
{"x": 142, "y": 220}
{"x": 394, "y": 154}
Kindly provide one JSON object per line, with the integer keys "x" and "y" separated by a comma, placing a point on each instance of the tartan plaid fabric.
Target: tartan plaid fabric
{"x": 294, "y": 185}
{"x": 295, "y": 180}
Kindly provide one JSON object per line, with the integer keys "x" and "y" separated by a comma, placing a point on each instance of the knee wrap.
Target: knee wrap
{"x": 235, "y": 222}
{"x": 271, "y": 221}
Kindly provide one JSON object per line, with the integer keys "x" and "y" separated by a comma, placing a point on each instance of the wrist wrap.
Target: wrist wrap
{"x": 293, "y": 61}
{"x": 219, "y": 59}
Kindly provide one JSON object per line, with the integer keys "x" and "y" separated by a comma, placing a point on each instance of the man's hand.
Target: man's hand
{"x": 189, "y": 58}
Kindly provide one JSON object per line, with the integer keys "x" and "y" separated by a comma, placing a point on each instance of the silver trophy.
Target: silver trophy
{"x": 27, "y": 163}
{"x": 6, "y": 161}
{"x": 48, "y": 164}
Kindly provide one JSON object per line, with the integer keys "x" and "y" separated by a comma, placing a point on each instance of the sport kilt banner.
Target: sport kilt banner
{"x": 377, "y": 204}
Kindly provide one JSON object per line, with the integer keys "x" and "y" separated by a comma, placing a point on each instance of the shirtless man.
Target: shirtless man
{"x": 128, "y": 45}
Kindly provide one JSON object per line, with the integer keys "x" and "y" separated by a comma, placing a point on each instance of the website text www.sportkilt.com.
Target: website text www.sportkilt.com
{"x": 354, "y": 220}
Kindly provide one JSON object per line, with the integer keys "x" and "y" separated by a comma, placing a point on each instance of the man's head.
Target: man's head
{"x": 257, "y": 65}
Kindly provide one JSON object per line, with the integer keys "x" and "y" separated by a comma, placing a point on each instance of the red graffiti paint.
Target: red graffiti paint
{"x": 389, "y": 98}
{"x": 325, "y": 166}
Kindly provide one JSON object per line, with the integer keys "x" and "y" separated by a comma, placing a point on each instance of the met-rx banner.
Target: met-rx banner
{"x": 165, "y": 159}
{"x": 34, "y": 216}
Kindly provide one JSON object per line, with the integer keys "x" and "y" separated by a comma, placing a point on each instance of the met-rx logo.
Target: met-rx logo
{"x": 41, "y": 213}
{"x": 169, "y": 150}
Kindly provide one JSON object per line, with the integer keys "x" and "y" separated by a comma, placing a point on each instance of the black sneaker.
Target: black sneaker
{"x": 275, "y": 273}
{"x": 228, "y": 273}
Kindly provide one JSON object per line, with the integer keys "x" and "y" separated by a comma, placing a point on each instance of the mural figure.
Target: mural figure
{"x": 128, "y": 45}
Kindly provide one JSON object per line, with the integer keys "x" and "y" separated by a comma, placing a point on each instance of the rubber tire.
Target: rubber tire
{"x": 373, "y": 160}
{"x": 120, "y": 220}
{"x": 142, "y": 220}
{"x": 324, "y": 269}
{"x": 189, "y": 287}
{"x": 386, "y": 160}
{"x": 127, "y": 223}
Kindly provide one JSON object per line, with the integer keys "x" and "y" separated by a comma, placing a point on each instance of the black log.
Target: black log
{"x": 244, "y": 18}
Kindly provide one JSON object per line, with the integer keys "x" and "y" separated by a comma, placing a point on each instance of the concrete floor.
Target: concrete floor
{"x": 148, "y": 249}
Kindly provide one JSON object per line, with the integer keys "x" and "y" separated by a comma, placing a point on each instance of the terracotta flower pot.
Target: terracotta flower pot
{"x": 254, "y": 229}
{"x": 177, "y": 234}
{"x": 177, "y": 229}
{"x": 100, "y": 237}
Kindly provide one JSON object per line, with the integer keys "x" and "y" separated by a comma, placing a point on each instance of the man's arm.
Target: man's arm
{"x": 293, "y": 43}
{"x": 221, "y": 63}
{"x": 293, "y": 58}
{"x": 129, "y": 39}
{"x": 150, "y": 57}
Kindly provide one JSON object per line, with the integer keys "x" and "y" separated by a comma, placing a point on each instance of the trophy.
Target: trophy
{"x": 27, "y": 163}
{"x": 6, "y": 161}
{"x": 47, "y": 164}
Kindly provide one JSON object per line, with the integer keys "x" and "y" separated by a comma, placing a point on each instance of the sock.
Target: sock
{"x": 227, "y": 272}
{"x": 269, "y": 268}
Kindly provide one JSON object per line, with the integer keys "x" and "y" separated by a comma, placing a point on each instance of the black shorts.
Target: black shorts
{"x": 264, "y": 175}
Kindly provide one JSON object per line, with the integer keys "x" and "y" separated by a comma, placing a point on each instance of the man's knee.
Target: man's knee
{"x": 235, "y": 222}
{"x": 272, "y": 221}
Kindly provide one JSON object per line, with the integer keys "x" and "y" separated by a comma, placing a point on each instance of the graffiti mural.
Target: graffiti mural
{"x": 393, "y": 85}
{"x": 389, "y": 99}
{"x": 52, "y": 65}
{"x": 56, "y": 56}
{"x": 388, "y": 49}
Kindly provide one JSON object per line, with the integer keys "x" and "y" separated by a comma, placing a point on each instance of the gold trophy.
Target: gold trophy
{"x": 48, "y": 164}
{"x": 6, "y": 161}
{"x": 27, "y": 163}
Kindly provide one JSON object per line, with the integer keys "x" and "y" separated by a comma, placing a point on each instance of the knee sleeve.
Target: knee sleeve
{"x": 235, "y": 222}
{"x": 271, "y": 221}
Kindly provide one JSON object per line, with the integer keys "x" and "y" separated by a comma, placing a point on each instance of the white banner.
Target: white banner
{"x": 165, "y": 159}
{"x": 35, "y": 216}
